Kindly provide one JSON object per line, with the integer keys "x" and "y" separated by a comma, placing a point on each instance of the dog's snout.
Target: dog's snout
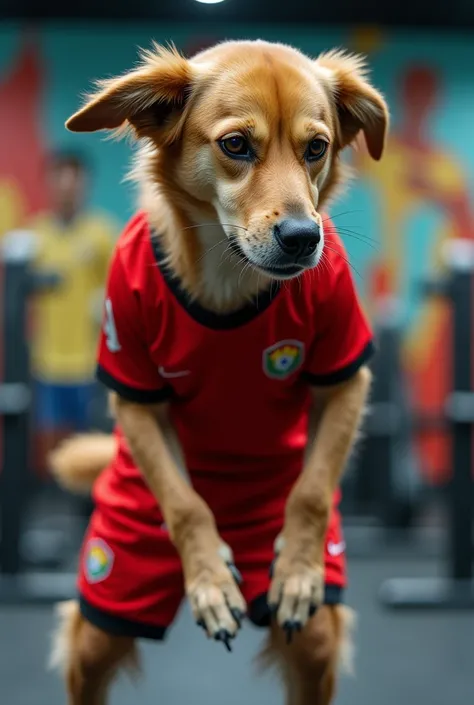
{"x": 297, "y": 237}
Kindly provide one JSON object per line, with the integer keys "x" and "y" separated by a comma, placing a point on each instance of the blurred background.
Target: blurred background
{"x": 408, "y": 491}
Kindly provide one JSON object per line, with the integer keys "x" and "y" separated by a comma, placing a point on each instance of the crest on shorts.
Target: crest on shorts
{"x": 283, "y": 358}
{"x": 98, "y": 560}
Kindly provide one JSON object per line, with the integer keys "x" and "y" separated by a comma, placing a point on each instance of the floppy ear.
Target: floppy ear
{"x": 146, "y": 98}
{"x": 359, "y": 105}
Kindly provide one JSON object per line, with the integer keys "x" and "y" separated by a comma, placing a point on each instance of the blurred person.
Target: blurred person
{"x": 75, "y": 244}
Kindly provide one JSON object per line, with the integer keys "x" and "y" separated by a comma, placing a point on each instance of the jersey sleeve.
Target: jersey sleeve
{"x": 344, "y": 341}
{"x": 124, "y": 362}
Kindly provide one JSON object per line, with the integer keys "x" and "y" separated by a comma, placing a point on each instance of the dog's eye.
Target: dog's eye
{"x": 316, "y": 149}
{"x": 236, "y": 147}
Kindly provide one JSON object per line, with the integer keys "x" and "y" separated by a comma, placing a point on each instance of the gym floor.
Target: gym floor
{"x": 403, "y": 657}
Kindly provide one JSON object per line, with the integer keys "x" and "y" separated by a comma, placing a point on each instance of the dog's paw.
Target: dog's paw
{"x": 296, "y": 591}
{"x": 216, "y": 601}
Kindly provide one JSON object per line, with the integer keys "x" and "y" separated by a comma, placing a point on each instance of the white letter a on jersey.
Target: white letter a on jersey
{"x": 111, "y": 337}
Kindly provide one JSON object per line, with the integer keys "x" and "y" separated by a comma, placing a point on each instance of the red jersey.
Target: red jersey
{"x": 238, "y": 384}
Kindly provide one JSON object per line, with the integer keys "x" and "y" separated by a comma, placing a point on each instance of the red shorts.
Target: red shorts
{"x": 130, "y": 581}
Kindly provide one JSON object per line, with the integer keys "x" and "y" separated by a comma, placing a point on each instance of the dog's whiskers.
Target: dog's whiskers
{"x": 298, "y": 278}
{"x": 346, "y": 230}
{"x": 350, "y": 233}
{"x": 239, "y": 260}
{"x": 349, "y": 264}
{"x": 338, "y": 215}
{"x": 244, "y": 269}
{"x": 349, "y": 229}
{"x": 227, "y": 251}
{"x": 327, "y": 262}
{"x": 210, "y": 249}
{"x": 215, "y": 225}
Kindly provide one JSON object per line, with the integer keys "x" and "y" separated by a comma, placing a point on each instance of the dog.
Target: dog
{"x": 236, "y": 353}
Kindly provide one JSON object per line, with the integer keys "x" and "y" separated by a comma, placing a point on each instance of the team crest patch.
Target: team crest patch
{"x": 283, "y": 358}
{"x": 98, "y": 560}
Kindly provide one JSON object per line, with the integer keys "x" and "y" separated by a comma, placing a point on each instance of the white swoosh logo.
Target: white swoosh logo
{"x": 335, "y": 549}
{"x": 171, "y": 375}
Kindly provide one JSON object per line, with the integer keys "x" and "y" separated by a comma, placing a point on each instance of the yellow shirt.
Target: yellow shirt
{"x": 65, "y": 330}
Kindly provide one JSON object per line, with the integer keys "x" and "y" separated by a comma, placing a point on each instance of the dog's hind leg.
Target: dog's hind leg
{"x": 88, "y": 657}
{"x": 309, "y": 664}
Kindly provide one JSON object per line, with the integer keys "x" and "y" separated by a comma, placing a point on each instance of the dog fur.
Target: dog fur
{"x": 78, "y": 461}
{"x": 199, "y": 200}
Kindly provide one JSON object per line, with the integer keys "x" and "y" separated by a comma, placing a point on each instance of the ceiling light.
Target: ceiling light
{"x": 209, "y": 2}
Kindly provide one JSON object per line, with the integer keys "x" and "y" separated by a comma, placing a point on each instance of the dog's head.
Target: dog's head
{"x": 253, "y": 129}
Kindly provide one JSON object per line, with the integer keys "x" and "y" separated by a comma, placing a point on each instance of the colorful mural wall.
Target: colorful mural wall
{"x": 394, "y": 219}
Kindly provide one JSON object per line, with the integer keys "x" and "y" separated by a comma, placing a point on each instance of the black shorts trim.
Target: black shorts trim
{"x": 344, "y": 373}
{"x": 259, "y": 612}
{"x": 139, "y": 396}
{"x": 118, "y": 626}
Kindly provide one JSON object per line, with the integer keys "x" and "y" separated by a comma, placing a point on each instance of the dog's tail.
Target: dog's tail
{"x": 78, "y": 461}
{"x": 66, "y": 642}
{"x": 348, "y": 624}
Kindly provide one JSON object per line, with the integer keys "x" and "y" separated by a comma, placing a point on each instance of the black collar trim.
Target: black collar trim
{"x": 204, "y": 316}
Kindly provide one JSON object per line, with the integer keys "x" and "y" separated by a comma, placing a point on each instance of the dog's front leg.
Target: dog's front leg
{"x": 298, "y": 582}
{"x": 215, "y": 599}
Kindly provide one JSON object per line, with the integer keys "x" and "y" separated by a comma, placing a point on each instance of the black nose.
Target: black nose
{"x": 298, "y": 237}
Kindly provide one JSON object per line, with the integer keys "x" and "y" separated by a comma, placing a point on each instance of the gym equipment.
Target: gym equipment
{"x": 383, "y": 488}
{"x": 16, "y": 584}
{"x": 387, "y": 476}
{"x": 456, "y": 589}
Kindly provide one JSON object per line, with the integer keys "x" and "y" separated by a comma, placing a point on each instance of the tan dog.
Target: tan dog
{"x": 240, "y": 153}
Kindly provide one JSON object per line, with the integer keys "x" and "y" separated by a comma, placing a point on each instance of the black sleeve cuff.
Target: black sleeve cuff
{"x": 139, "y": 396}
{"x": 344, "y": 373}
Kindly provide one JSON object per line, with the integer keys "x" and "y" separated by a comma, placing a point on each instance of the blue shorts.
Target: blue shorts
{"x": 63, "y": 405}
